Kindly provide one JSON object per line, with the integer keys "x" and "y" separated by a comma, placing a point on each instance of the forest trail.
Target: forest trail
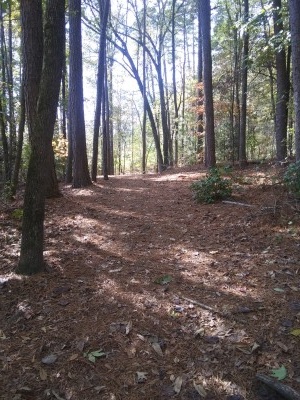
{"x": 149, "y": 295}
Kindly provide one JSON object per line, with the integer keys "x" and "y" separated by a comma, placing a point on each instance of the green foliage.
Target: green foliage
{"x": 280, "y": 373}
{"x": 7, "y": 191}
{"x": 212, "y": 188}
{"x": 60, "y": 148}
{"x": 93, "y": 355}
{"x": 292, "y": 179}
{"x": 163, "y": 280}
{"x": 17, "y": 213}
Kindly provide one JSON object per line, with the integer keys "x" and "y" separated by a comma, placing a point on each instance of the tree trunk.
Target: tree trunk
{"x": 244, "y": 78}
{"x": 3, "y": 102}
{"x": 22, "y": 118}
{"x": 295, "y": 39}
{"x": 210, "y": 155}
{"x": 144, "y": 126}
{"x": 104, "y": 11}
{"x": 81, "y": 177}
{"x": 41, "y": 118}
{"x": 175, "y": 100}
{"x": 105, "y": 135}
{"x": 51, "y": 182}
{"x": 199, "y": 87}
{"x": 282, "y": 85}
{"x": 10, "y": 89}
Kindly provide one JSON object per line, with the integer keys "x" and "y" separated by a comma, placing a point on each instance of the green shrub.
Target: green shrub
{"x": 212, "y": 188}
{"x": 291, "y": 179}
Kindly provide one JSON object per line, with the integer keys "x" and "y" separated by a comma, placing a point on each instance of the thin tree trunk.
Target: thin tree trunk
{"x": 21, "y": 128}
{"x": 104, "y": 12}
{"x": 3, "y": 101}
{"x": 244, "y": 78}
{"x": 282, "y": 86}
{"x": 144, "y": 126}
{"x": 10, "y": 87}
{"x": 81, "y": 177}
{"x": 199, "y": 87}
{"x": 125, "y": 52}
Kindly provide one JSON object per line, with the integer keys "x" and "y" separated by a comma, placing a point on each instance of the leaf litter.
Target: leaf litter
{"x": 198, "y": 315}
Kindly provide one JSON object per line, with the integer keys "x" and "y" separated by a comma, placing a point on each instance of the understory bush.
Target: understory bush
{"x": 212, "y": 188}
{"x": 291, "y": 179}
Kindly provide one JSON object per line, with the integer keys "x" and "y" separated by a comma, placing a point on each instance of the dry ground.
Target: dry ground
{"x": 175, "y": 296}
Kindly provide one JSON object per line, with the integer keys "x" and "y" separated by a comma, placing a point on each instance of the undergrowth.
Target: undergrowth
{"x": 212, "y": 188}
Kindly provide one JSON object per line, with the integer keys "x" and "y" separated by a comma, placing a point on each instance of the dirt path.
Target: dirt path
{"x": 176, "y": 296}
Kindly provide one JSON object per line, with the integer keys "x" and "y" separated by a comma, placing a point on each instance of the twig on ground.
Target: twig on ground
{"x": 286, "y": 391}
{"x": 236, "y": 203}
{"x": 206, "y": 307}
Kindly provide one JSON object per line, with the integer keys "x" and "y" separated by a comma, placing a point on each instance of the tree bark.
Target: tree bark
{"x": 244, "y": 78}
{"x": 282, "y": 85}
{"x": 21, "y": 128}
{"x": 205, "y": 15}
{"x": 295, "y": 39}
{"x": 41, "y": 106}
{"x": 104, "y": 12}
{"x": 81, "y": 177}
{"x": 200, "y": 87}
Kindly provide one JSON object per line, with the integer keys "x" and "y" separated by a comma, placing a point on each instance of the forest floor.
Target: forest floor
{"x": 151, "y": 296}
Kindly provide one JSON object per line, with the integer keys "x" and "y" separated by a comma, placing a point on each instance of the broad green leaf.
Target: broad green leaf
{"x": 280, "y": 373}
{"x": 295, "y": 332}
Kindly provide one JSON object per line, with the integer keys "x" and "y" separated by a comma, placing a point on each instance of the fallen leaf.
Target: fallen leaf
{"x": 199, "y": 332}
{"x": 73, "y": 357}
{"x": 43, "y": 374}
{"x": 156, "y": 347}
{"x": 113, "y": 271}
{"x": 295, "y": 332}
{"x": 200, "y": 389}
{"x": 141, "y": 377}
{"x": 282, "y": 346}
{"x": 295, "y": 305}
{"x": 57, "y": 396}
{"x": 80, "y": 344}
{"x": 63, "y": 302}
{"x": 244, "y": 350}
{"x": 255, "y": 346}
{"x": 287, "y": 323}
{"x": 2, "y": 335}
{"x": 244, "y": 310}
{"x": 280, "y": 373}
{"x": 178, "y": 384}
{"x": 294, "y": 288}
{"x": 93, "y": 355}
{"x": 128, "y": 327}
{"x": 50, "y": 359}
